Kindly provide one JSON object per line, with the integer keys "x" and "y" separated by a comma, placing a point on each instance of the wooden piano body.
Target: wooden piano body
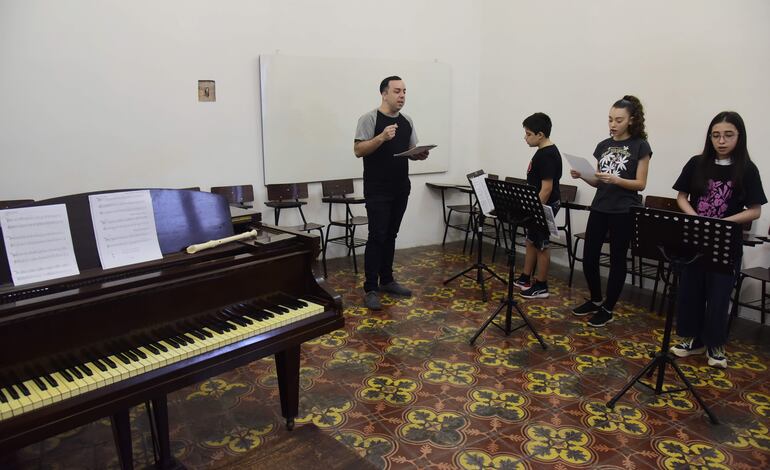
{"x": 55, "y": 326}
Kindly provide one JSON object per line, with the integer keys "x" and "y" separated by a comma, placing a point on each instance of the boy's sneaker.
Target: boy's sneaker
{"x": 586, "y": 308}
{"x": 600, "y": 318}
{"x": 538, "y": 291}
{"x": 523, "y": 282}
{"x": 372, "y": 301}
{"x": 688, "y": 347}
{"x": 717, "y": 357}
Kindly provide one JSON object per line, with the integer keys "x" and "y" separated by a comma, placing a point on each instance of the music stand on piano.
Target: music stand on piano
{"x": 478, "y": 221}
{"x": 681, "y": 240}
{"x": 515, "y": 204}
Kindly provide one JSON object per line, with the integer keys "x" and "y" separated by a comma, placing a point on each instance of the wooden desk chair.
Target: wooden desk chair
{"x": 237, "y": 196}
{"x": 12, "y": 203}
{"x": 760, "y": 274}
{"x": 568, "y": 196}
{"x": 338, "y": 192}
{"x": 287, "y": 196}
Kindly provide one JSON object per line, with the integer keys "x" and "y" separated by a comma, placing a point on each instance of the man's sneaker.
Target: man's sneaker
{"x": 586, "y": 308}
{"x": 395, "y": 288}
{"x": 538, "y": 291}
{"x": 372, "y": 301}
{"x": 523, "y": 282}
{"x": 717, "y": 357}
{"x": 600, "y": 318}
{"x": 688, "y": 347}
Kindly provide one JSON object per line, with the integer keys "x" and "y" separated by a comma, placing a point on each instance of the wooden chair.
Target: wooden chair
{"x": 288, "y": 196}
{"x": 237, "y": 196}
{"x": 339, "y": 192}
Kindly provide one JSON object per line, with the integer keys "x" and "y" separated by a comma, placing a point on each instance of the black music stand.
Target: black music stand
{"x": 708, "y": 244}
{"x": 515, "y": 204}
{"x": 479, "y": 265}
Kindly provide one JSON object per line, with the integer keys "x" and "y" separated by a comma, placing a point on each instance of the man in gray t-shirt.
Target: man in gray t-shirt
{"x": 380, "y": 135}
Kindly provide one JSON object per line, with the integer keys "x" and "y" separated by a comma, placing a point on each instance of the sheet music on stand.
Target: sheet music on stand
{"x": 482, "y": 193}
{"x": 38, "y": 243}
{"x": 124, "y": 227}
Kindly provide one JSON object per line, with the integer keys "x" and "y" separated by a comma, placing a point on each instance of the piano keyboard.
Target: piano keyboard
{"x": 230, "y": 325}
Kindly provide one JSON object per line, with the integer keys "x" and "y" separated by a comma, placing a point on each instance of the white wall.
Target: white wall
{"x": 685, "y": 60}
{"x": 108, "y": 88}
{"x": 102, "y": 94}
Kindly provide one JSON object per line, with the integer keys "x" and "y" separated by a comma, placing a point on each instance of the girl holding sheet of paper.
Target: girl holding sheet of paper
{"x": 623, "y": 161}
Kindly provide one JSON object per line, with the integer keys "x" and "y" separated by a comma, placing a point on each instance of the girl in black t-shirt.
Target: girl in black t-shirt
{"x": 722, "y": 183}
{"x": 623, "y": 160}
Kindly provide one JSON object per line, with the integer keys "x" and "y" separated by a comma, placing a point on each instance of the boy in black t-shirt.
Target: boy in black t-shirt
{"x": 543, "y": 173}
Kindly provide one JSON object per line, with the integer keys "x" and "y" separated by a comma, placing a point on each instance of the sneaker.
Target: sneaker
{"x": 523, "y": 282}
{"x": 717, "y": 357}
{"x": 688, "y": 347}
{"x": 538, "y": 291}
{"x": 395, "y": 288}
{"x": 600, "y": 318}
{"x": 372, "y": 301}
{"x": 586, "y": 308}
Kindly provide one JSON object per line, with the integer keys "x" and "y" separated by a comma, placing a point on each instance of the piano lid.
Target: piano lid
{"x": 182, "y": 218}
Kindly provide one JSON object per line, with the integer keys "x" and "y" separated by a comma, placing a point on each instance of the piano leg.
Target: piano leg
{"x": 121, "y": 432}
{"x": 287, "y": 368}
{"x": 159, "y": 419}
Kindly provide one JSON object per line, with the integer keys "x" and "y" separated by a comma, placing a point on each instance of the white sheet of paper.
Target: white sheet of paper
{"x": 482, "y": 194}
{"x": 586, "y": 168}
{"x": 124, "y": 226}
{"x": 549, "y": 217}
{"x": 38, "y": 243}
{"x": 415, "y": 151}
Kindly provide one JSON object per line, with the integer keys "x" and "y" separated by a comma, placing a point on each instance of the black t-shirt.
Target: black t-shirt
{"x": 545, "y": 165}
{"x": 620, "y": 158}
{"x": 720, "y": 199}
{"x": 384, "y": 173}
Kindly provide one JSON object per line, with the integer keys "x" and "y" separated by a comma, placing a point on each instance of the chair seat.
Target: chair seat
{"x": 343, "y": 200}
{"x": 355, "y": 220}
{"x": 759, "y": 273}
{"x": 284, "y": 204}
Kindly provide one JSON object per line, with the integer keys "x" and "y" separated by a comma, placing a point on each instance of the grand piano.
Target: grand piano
{"x": 77, "y": 349}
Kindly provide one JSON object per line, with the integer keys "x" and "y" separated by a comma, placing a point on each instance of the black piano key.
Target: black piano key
{"x": 290, "y": 301}
{"x": 3, "y": 398}
{"x": 198, "y": 334}
{"x": 139, "y": 353}
{"x": 152, "y": 349}
{"x": 131, "y": 355}
{"x": 22, "y": 388}
{"x": 235, "y": 319}
{"x": 160, "y": 346}
{"x": 85, "y": 369}
{"x": 66, "y": 375}
{"x": 173, "y": 343}
{"x": 99, "y": 364}
{"x": 50, "y": 380}
{"x": 206, "y": 333}
{"x": 74, "y": 371}
{"x": 12, "y": 392}
{"x": 110, "y": 363}
{"x": 180, "y": 339}
{"x": 40, "y": 384}
{"x": 123, "y": 358}
{"x": 277, "y": 308}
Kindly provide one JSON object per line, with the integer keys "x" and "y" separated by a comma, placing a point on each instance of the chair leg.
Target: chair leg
{"x": 353, "y": 248}
{"x": 736, "y": 302}
{"x": 572, "y": 262}
{"x": 468, "y": 229}
{"x": 762, "y": 312}
{"x": 323, "y": 251}
{"x": 446, "y": 227}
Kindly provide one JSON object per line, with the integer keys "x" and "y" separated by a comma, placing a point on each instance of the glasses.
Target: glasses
{"x": 725, "y": 136}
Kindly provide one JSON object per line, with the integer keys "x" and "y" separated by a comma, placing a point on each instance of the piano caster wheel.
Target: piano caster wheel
{"x": 290, "y": 424}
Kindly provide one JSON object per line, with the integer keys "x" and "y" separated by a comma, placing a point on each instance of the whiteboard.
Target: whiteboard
{"x": 310, "y": 107}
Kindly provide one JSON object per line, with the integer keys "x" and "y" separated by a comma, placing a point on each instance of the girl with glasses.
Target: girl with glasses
{"x": 722, "y": 183}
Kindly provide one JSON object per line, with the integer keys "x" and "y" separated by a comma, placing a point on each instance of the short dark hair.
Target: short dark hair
{"x": 384, "y": 84}
{"x": 537, "y": 123}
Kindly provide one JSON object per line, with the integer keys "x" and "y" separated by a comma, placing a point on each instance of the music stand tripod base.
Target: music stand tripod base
{"x": 515, "y": 204}
{"x": 680, "y": 240}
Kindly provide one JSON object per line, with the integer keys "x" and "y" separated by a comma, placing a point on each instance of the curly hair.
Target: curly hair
{"x": 636, "y": 111}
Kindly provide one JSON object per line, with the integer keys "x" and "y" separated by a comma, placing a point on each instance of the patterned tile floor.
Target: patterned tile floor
{"x": 405, "y": 389}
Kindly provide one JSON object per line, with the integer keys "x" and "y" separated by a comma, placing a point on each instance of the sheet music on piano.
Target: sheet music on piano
{"x": 38, "y": 243}
{"x": 124, "y": 227}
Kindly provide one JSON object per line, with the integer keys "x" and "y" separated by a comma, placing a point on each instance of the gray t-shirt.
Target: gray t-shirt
{"x": 366, "y": 123}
